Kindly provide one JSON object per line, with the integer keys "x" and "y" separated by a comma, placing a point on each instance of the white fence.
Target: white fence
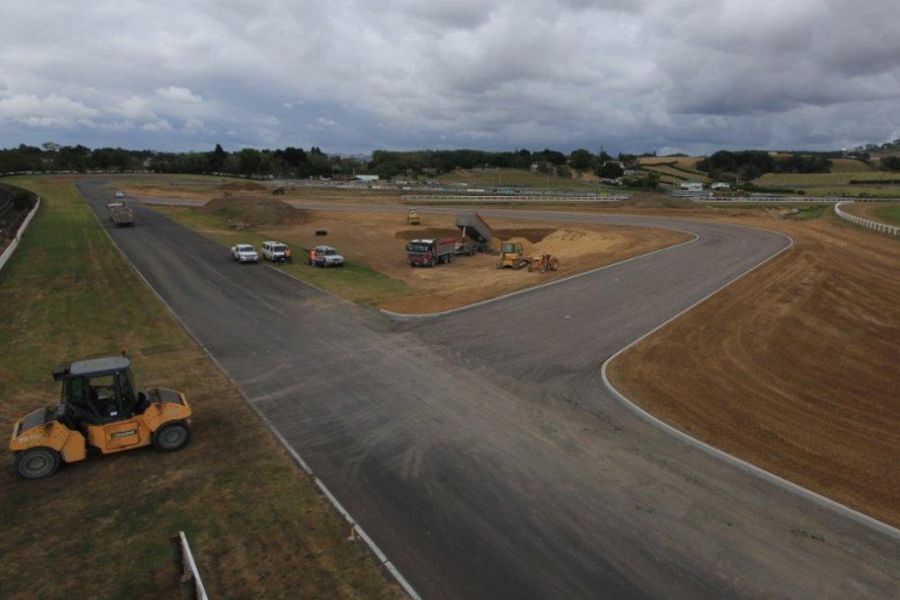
{"x": 8, "y": 252}
{"x": 875, "y": 225}
{"x": 190, "y": 575}
{"x": 510, "y": 199}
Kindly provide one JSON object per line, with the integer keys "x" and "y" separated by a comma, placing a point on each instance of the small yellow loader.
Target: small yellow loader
{"x": 99, "y": 409}
{"x": 512, "y": 256}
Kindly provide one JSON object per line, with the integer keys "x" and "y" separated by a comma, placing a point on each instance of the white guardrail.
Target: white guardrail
{"x": 8, "y": 252}
{"x": 184, "y": 559}
{"x": 511, "y": 199}
{"x": 875, "y": 225}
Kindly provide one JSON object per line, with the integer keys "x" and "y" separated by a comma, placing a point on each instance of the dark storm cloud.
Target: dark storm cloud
{"x": 353, "y": 76}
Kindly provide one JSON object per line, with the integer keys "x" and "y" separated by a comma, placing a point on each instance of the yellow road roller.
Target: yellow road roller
{"x": 99, "y": 409}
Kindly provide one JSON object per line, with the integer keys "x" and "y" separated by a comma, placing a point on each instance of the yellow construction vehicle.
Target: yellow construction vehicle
{"x": 412, "y": 217}
{"x": 512, "y": 256}
{"x": 543, "y": 263}
{"x": 101, "y": 409}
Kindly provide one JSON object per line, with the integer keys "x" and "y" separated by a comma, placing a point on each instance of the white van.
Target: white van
{"x": 276, "y": 251}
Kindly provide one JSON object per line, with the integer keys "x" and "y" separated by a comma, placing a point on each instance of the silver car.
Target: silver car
{"x": 325, "y": 256}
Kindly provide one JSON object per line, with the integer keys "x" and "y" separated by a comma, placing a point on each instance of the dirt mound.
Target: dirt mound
{"x": 243, "y": 212}
{"x": 576, "y": 242}
{"x": 243, "y": 186}
{"x": 532, "y": 235}
{"x": 527, "y": 245}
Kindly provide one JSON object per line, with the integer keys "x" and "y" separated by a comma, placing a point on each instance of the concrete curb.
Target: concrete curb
{"x": 743, "y": 465}
{"x": 370, "y": 543}
{"x": 8, "y": 252}
{"x": 412, "y": 317}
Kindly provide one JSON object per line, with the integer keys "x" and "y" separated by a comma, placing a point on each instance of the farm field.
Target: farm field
{"x": 807, "y": 180}
{"x": 256, "y": 526}
{"x": 684, "y": 162}
{"x": 517, "y": 178}
{"x": 822, "y": 323}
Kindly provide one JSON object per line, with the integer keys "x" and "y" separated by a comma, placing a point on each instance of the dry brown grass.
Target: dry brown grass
{"x": 794, "y": 368}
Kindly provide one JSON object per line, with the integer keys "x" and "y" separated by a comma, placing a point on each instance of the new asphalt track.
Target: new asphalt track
{"x": 481, "y": 450}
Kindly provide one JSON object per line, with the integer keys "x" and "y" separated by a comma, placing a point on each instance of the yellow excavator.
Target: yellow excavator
{"x": 100, "y": 409}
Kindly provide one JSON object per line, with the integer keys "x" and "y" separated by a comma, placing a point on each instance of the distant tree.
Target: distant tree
{"x": 249, "y": 160}
{"x": 610, "y": 169}
{"x": 890, "y": 163}
{"x": 217, "y": 159}
{"x": 580, "y": 159}
{"x": 627, "y": 159}
{"x": 550, "y": 156}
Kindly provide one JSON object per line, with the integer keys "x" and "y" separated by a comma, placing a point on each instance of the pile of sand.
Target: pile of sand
{"x": 569, "y": 243}
{"x": 249, "y": 212}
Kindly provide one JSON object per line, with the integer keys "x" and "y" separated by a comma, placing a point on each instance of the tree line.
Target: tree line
{"x": 298, "y": 162}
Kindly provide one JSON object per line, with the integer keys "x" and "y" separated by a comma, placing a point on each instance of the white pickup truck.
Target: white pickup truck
{"x": 244, "y": 253}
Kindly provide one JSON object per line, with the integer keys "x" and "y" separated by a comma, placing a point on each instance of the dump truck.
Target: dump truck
{"x": 475, "y": 234}
{"x": 119, "y": 214}
{"x": 100, "y": 409}
{"x": 420, "y": 253}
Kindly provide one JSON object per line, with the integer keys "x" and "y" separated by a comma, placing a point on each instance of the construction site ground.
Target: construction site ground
{"x": 793, "y": 368}
{"x": 376, "y": 241}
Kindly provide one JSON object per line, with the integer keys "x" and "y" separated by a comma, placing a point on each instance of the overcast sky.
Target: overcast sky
{"x": 350, "y": 77}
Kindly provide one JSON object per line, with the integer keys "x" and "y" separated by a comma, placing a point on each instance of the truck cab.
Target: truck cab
{"x": 429, "y": 252}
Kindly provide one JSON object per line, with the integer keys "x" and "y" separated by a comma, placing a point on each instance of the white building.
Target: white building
{"x": 692, "y": 186}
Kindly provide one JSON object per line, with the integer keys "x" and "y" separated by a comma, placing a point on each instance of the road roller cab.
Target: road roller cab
{"x": 100, "y": 409}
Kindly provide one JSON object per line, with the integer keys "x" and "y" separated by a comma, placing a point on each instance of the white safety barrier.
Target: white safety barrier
{"x": 511, "y": 199}
{"x": 8, "y": 252}
{"x": 875, "y": 225}
{"x": 190, "y": 575}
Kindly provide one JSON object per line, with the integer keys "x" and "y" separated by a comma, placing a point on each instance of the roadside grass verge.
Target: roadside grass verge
{"x": 100, "y": 528}
{"x": 353, "y": 281}
{"x": 888, "y": 214}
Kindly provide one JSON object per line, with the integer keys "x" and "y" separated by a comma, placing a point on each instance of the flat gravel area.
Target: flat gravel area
{"x": 481, "y": 450}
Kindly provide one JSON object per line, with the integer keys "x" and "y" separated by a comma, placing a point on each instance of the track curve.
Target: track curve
{"x": 481, "y": 450}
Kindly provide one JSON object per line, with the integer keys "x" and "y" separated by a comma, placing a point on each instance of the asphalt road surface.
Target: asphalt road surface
{"x": 481, "y": 450}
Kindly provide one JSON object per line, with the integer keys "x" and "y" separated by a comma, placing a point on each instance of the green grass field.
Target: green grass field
{"x": 517, "y": 178}
{"x": 803, "y": 180}
{"x": 101, "y": 528}
{"x": 849, "y": 165}
{"x": 889, "y": 214}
